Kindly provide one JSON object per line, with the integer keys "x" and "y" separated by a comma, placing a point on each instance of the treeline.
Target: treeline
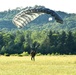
{"x": 19, "y": 41}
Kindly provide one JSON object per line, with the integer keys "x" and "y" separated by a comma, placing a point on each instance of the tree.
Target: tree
{"x": 3, "y": 50}
{"x": 62, "y": 43}
{"x": 1, "y": 40}
{"x": 70, "y": 43}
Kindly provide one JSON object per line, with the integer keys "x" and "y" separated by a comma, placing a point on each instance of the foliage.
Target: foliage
{"x": 6, "y": 54}
{"x": 24, "y": 54}
{"x": 44, "y": 42}
{"x": 38, "y": 54}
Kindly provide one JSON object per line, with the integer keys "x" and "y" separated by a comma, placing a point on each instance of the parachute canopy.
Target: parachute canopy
{"x": 31, "y": 13}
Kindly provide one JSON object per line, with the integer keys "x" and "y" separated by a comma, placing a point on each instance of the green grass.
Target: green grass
{"x": 43, "y": 65}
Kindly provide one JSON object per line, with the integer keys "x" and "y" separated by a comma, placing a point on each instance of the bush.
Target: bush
{"x": 48, "y": 54}
{"x": 24, "y": 54}
{"x": 55, "y": 54}
{"x": 38, "y": 54}
{"x": 14, "y": 54}
{"x": 52, "y": 54}
{"x": 6, "y": 54}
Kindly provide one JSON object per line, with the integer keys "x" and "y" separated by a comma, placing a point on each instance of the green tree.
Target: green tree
{"x": 62, "y": 43}
{"x": 70, "y": 42}
{"x": 3, "y": 50}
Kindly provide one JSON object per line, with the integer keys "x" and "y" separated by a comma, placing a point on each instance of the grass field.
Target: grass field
{"x": 43, "y": 65}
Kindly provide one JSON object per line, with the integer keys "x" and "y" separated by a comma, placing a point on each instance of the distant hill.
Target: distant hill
{"x": 41, "y": 23}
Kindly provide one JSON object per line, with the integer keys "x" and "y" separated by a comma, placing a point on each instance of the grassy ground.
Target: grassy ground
{"x": 44, "y": 65}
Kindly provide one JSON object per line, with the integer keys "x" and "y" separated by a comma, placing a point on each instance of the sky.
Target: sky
{"x": 68, "y": 6}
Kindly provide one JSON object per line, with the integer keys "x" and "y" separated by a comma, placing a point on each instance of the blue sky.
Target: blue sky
{"x": 68, "y": 6}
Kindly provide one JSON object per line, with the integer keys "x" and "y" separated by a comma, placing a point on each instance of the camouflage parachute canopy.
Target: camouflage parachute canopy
{"x": 27, "y": 15}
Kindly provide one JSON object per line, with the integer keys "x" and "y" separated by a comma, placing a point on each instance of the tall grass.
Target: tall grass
{"x": 43, "y": 65}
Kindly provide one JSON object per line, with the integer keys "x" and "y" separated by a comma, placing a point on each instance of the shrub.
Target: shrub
{"x": 52, "y": 54}
{"x": 57, "y": 53}
{"x": 14, "y": 54}
{"x": 24, "y": 54}
{"x": 48, "y": 54}
{"x": 38, "y": 54}
{"x": 6, "y": 54}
